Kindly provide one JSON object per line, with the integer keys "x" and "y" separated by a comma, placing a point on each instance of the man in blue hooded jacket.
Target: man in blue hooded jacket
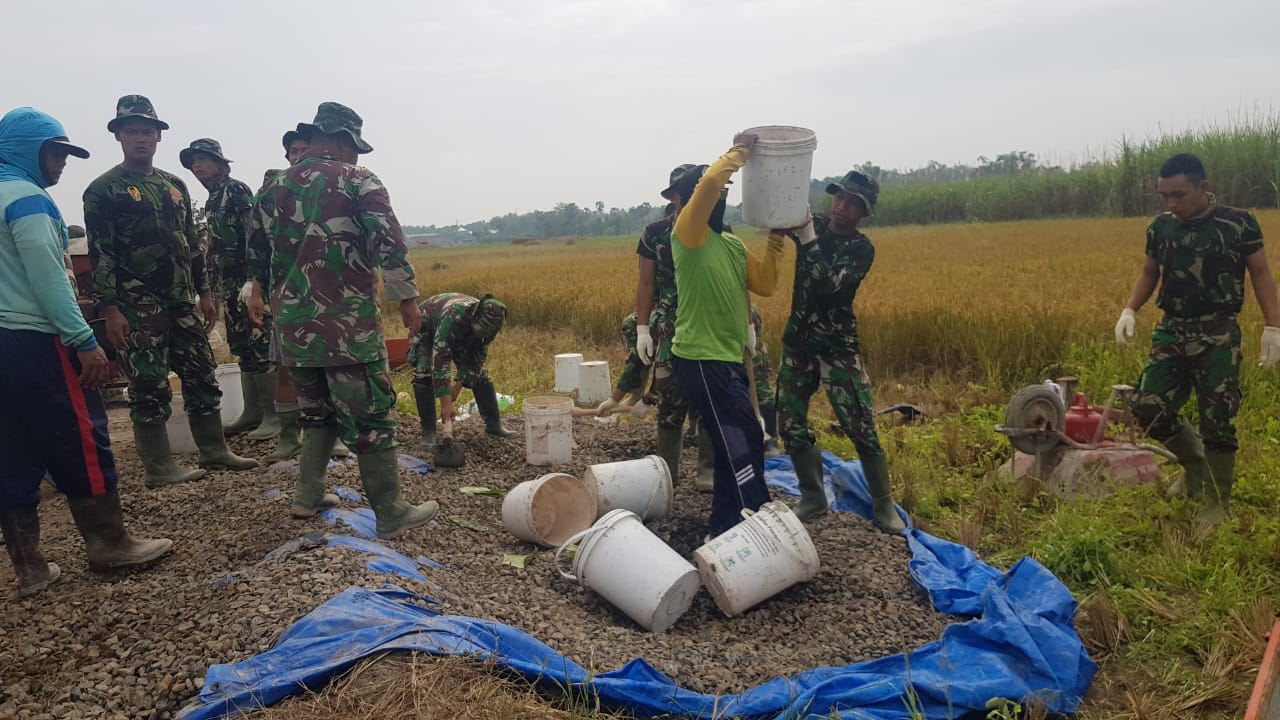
{"x": 53, "y": 419}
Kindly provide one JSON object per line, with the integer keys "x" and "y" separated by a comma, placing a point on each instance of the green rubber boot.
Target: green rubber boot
{"x": 381, "y": 479}
{"x": 252, "y": 413}
{"x": 769, "y": 412}
{"x": 21, "y": 531}
{"x": 487, "y": 402}
{"x": 670, "y": 443}
{"x": 107, "y": 544}
{"x": 340, "y": 449}
{"x": 705, "y": 479}
{"x": 1189, "y": 449}
{"x": 813, "y": 496}
{"x": 883, "y": 510}
{"x": 270, "y": 426}
{"x": 152, "y": 443}
{"x": 290, "y": 441}
{"x": 214, "y": 453}
{"x": 1217, "y": 494}
{"x": 425, "y": 399}
{"x": 309, "y": 497}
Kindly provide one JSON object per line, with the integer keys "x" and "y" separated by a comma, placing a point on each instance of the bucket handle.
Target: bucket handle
{"x": 570, "y": 541}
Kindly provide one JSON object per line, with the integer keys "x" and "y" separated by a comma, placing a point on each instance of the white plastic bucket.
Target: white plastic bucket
{"x": 548, "y": 430}
{"x": 594, "y": 385}
{"x": 228, "y": 379}
{"x": 756, "y": 559}
{"x": 548, "y": 510}
{"x": 567, "y": 372}
{"x": 775, "y": 180}
{"x": 633, "y": 569}
{"x": 179, "y": 429}
{"x": 642, "y": 486}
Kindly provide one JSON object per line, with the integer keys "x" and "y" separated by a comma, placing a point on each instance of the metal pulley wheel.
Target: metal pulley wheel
{"x": 1035, "y": 407}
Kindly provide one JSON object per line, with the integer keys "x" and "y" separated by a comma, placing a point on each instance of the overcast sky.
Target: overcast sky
{"x": 481, "y": 107}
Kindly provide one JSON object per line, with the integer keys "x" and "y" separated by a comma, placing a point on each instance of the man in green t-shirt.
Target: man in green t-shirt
{"x": 1197, "y": 252}
{"x": 714, "y": 272}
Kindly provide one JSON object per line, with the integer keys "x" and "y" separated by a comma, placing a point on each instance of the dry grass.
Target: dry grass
{"x": 414, "y": 686}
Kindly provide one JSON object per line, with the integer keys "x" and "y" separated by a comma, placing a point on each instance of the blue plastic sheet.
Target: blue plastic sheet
{"x": 1019, "y": 643}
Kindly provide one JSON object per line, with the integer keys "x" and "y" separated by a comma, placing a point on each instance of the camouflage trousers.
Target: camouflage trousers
{"x": 161, "y": 339}
{"x": 634, "y": 371}
{"x": 250, "y": 343}
{"x": 356, "y": 398}
{"x": 848, "y": 390}
{"x": 1200, "y": 354}
{"x": 673, "y": 407}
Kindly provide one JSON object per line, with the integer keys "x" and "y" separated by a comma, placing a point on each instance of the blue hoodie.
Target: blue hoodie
{"x": 35, "y": 293}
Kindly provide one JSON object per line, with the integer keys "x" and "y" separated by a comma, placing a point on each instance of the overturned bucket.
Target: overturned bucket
{"x": 758, "y": 558}
{"x": 632, "y": 568}
{"x": 567, "y": 372}
{"x": 594, "y": 385}
{"x": 642, "y": 486}
{"x": 548, "y": 510}
{"x": 548, "y": 430}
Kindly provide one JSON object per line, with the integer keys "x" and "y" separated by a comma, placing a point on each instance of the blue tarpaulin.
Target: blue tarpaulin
{"x": 1019, "y": 643}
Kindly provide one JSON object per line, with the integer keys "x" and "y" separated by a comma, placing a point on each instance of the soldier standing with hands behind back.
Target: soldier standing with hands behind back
{"x": 1198, "y": 251}
{"x": 149, "y": 280}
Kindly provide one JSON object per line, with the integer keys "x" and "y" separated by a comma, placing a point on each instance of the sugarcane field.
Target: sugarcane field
{"x": 763, "y": 403}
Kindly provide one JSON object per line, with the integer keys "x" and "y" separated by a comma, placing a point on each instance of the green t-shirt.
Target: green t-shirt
{"x": 711, "y": 318}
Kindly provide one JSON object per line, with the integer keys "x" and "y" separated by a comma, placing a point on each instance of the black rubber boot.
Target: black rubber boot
{"x": 487, "y": 402}
{"x": 769, "y": 412}
{"x": 670, "y": 443}
{"x": 21, "y": 529}
{"x": 106, "y": 543}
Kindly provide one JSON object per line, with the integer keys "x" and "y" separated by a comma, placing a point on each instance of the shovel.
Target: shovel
{"x": 447, "y": 452}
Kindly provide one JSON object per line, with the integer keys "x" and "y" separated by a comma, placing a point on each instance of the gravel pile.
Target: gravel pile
{"x": 135, "y": 644}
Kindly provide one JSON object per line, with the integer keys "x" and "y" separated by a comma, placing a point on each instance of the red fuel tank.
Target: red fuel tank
{"x": 1082, "y": 420}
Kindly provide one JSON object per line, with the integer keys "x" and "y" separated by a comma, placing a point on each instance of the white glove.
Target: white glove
{"x": 246, "y": 292}
{"x": 751, "y": 338}
{"x": 1270, "y": 346}
{"x": 607, "y": 405}
{"x": 804, "y": 233}
{"x": 644, "y": 344}
{"x": 1124, "y": 327}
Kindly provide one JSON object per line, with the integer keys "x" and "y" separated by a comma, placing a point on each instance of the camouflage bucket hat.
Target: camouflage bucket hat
{"x": 332, "y": 118}
{"x": 488, "y": 316}
{"x": 289, "y": 137}
{"x": 135, "y": 106}
{"x": 859, "y": 184}
{"x": 208, "y": 146}
{"x": 676, "y": 174}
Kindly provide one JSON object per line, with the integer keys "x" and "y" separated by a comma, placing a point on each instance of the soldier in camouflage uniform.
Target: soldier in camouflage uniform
{"x": 456, "y": 330}
{"x": 820, "y": 344}
{"x": 148, "y": 277}
{"x": 229, "y": 213}
{"x": 331, "y": 229}
{"x": 1198, "y": 251}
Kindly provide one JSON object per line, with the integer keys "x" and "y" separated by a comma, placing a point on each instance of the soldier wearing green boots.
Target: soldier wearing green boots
{"x": 149, "y": 280}
{"x": 1197, "y": 253}
{"x": 820, "y": 344}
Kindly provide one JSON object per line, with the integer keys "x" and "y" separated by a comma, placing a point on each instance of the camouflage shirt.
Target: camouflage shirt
{"x": 828, "y": 273}
{"x": 258, "y": 249}
{"x": 1202, "y": 260}
{"x": 331, "y": 228}
{"x": 142, "y": 240}
{"x": 446, "y": 326}
{"x": 228, "y": 209}
{"x": 655, "y": 245}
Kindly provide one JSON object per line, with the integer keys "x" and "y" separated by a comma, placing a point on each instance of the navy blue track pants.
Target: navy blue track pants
{"x": 49, "y": 423}
{"x": 721, "y": 394}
